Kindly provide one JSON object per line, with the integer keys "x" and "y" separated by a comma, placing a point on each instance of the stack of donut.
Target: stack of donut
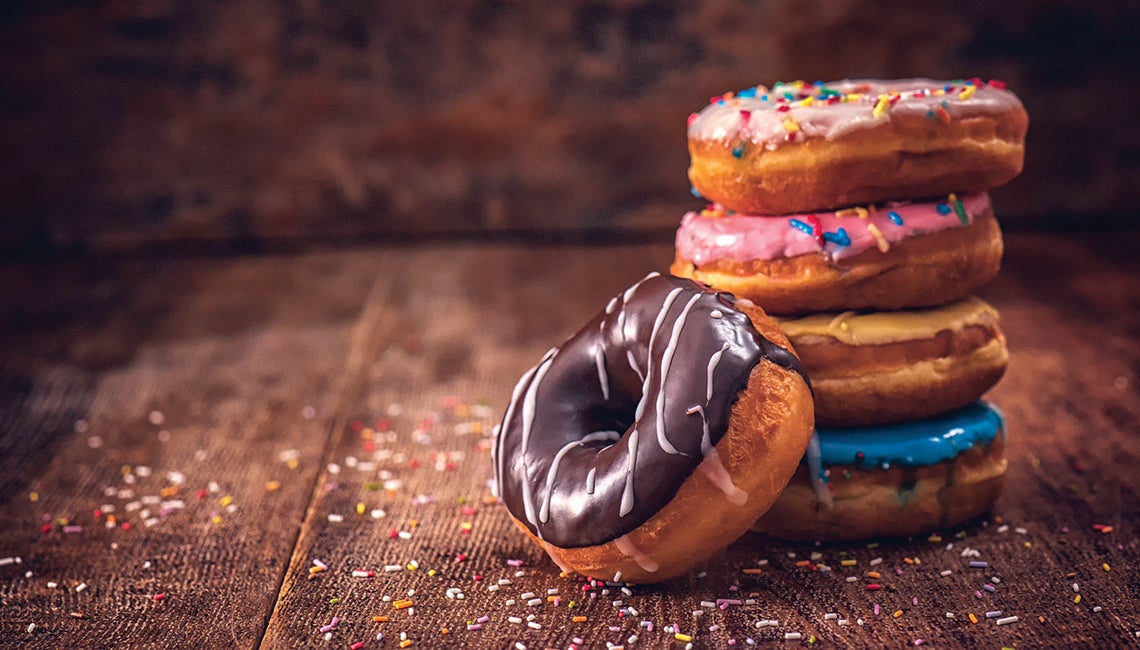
{"x": 857, "y": 212}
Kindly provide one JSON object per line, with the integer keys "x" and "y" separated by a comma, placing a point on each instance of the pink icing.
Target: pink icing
{"x": 762, "y": 119}
{"x": 705, "y": 238}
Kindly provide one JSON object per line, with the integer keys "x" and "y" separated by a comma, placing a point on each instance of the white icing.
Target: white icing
{"x": 666, "y": 362}
{"x": 495, "y": 459}
{"x": 500, "y": 471}
{"x": 627, "y": 499}
{"x": 660, "y": 320}
{"x": 627, "y": 548}
{"x": 600, "y": 361}
{"x": 633, "y": 364}
{"x": 706, "y": 438}
{"x": 713, "y": 361}
{"x": 529, "y": 401}
{"x": 629, "y": 292}
{"x": 815, "y": 471}
{"x": 715, "y": 471}
{"x": 528, "y": 424}
{"x": 590, "y": 480}
{"x": 552, "y": 473}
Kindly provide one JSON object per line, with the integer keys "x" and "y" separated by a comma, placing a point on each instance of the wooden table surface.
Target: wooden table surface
{"x": 185, "y": 441}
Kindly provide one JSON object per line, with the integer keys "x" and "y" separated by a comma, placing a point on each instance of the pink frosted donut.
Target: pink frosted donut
{"x": 891, "y": 256}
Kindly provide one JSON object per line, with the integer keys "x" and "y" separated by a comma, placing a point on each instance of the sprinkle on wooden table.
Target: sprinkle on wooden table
{"x": 851, "y": 562}
{"x": 793, "y": 636}
{"x": 752, "y": 572}
{"x": 402, "y": 604}
{"x": 379, "y": 619}
{"x": 1007, "y": 620}
{"x": 973, "y": 619}
{"x": 1106, "y": 567}
{"x": 898, "y": 613}
{"x": 80, "y": 587}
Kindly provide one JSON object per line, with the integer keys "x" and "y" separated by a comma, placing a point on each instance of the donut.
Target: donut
{"x": 891, "y": 366}
{"x": 800, "y": 147}
{"x": 896, "y": 480}
{"x": 892, "y": 256}
{"x": 656, "y": 435}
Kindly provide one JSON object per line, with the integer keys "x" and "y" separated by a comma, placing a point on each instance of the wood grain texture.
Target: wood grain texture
{"x": 134, "y": 124}
{"x": 409, "y": 356}
{"x": 169, "y": 395}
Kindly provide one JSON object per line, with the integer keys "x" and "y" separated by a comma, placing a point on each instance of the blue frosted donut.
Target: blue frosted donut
{"x": 894, "y": 480}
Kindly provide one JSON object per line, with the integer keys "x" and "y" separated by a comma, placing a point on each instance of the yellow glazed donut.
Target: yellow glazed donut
{"x": 883, "y": 367}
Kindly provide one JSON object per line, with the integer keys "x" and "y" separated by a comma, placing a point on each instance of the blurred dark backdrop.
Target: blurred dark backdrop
{"x": 128, "y": 125}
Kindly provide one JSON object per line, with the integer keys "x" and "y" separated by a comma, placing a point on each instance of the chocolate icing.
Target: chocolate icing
{"x": 600, "y": 434}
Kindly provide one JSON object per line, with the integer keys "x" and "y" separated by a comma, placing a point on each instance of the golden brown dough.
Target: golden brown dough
{"x": 898, "y": 502}
{"x": 770, "y": 426}
{"x": 884, "y": 367}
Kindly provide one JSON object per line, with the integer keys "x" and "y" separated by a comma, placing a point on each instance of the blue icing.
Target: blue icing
{"x": 912, "y": 444}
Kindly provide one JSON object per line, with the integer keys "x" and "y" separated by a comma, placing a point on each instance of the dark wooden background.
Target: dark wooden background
{"x": 128, "y": 125}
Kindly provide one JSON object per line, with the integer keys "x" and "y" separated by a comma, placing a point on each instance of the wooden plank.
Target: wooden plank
{"x": 189, "y": 400}
{"x": 408, "y": 374}
{"x": 414, "y": 442}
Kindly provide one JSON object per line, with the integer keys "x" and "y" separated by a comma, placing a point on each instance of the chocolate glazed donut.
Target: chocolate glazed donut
{"x": 601, "y": 434}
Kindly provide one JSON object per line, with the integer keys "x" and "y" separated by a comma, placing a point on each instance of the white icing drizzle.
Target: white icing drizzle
{"x": 531, "y": 397}
{"x": 528, "y": 503}
{"x": 500, "y": 471}
{"x": 627, "y": 548}
{"x": 629, "y": 292}
{"x": 715, "y": 471}
{"x": 713, "y": 361}
{"x": 633, "y": 364}
{"x": 815, "y": 471}
{"x": 590, "y": 480}
{"x": 666, "y": 361}
{"x": 495, "y": 459}
{"x": 706, "y": 439}
{"x": 600, "y": 361}
{"x": 528, "y": 423}
{"x": 669, "y": 298}
{"x": 552, "y": 473}
{"x": 627, "y": 499}
{"x": 611, "y": 305}
{"x": 716, "y": 313}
